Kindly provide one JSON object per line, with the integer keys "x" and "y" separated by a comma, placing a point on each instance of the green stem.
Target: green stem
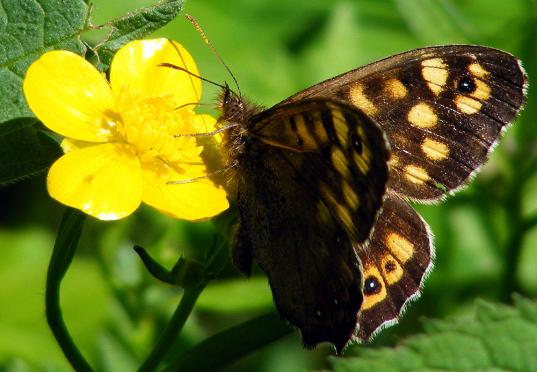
{"x": 173, "y": 328}
{"x": 62, "y": 256}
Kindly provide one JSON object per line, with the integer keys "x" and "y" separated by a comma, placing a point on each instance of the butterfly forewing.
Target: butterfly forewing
{"x": 302, "y": 214}
{"x": 442, "y": 108}
{"x": 345, "y": 165}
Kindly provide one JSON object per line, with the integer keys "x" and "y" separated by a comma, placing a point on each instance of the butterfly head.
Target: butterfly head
{"x": 232, "y": 106}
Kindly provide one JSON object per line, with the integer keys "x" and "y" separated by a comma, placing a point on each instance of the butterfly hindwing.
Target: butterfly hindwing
{"x": 394, "y": 265}
{"x": 443, "y": 109}
{"x": 303, "y": 231}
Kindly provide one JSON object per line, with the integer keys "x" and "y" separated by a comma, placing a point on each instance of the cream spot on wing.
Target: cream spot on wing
{"x": 467, "y": 105}
{"x": 394, "y": 161}
{"x": 422, "y": 116}
{"x": 290, "y": 132}
{"x": 435, "y": 72}
{"x": 360, "y": 100}
{"x": 320, "y": 132}
{"x": 304, "y": 134}
{"x": 341, "y": 210}
{"x": 434, "y": 150}
{"x": 395, "y": 88}
{"x": 482, "y": 90}
{"x": 477, "y": 70}
{"x": 434, "y": 62}
{"x": 351, "y": 198}
{"x": 362, "y": 162}
{"x": 340, "y": 126}
{"x": 391, "y": 269}
{"x": 339, "y": 161}
{"x": 416, "y": 174}
{"x": 400, "y": 246}
{"x": 345, "y": 216}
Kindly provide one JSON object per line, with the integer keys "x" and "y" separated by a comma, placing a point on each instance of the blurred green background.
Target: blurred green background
{"x": 486, "y": 236}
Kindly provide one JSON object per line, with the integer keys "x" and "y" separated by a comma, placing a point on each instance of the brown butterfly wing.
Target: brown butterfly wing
{"x": 301, "y": 215}
{"x": 394, "y": 265}
{"x": 443, "y": 109}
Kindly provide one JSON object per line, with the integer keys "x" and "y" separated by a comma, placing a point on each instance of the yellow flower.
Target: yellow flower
{"x": 121, "y": 138}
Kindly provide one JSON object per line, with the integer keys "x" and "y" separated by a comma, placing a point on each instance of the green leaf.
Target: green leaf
{"x": 232, "y": 344}
{"x": 497, "y": 337}
{"x": 25, "y": 150}
{"x": 136, "y": 25}
{"x": 29, "y": 28}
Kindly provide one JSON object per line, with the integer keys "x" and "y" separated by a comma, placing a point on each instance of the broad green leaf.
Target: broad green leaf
{"x": 136, "y": 25}
{"x": 29, "y": 28}
{"x": 25, "y": 150}
{"x": 497, "y": 337}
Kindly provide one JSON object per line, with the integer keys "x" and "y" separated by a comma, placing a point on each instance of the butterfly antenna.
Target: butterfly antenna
{"x": 193, "y": 104}
{"x": 175, "y": 67}
{"x": 206, "y": 41}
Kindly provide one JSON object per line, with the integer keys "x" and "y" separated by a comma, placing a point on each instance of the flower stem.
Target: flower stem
{"x": 62, "y": 256}
{"x": 173, "y": 328}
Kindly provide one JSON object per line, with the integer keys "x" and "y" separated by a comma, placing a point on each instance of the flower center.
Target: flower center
{"x": 154, "y": 126}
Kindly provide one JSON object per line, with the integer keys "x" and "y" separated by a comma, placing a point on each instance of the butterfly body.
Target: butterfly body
{"x": 322, "y": 178}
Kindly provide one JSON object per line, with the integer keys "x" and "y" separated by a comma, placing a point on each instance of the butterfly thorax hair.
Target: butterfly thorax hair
{"x": 236, "y": 113}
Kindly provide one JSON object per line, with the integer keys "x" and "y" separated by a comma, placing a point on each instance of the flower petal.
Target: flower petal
{"x": 203, "y": 123}
{"x": 103, "y": 180}
{"x": 69, "y": 144}
{"x": 136, "y": 66}
{"x": 69, "y": 96}
{"x": 194, "y": 200}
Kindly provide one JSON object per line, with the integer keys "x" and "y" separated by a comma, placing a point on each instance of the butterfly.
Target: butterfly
{"x": 324, "y": 178}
